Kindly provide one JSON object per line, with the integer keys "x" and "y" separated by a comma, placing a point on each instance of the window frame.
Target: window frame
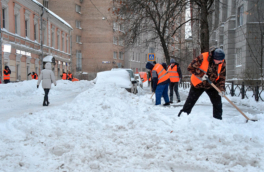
{"x": 78, "y": 8}
{"x": 240, "y": 15}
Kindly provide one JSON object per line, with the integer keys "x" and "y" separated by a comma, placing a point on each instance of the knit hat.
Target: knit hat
{"x": 218, "y": 54}
{"x": 172, "y": 61}
{"x": 150, "y": 65}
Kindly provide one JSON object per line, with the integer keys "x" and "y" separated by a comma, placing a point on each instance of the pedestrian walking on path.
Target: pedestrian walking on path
{"x": 209, "y": 65}
{"x": 175, "y": 77}
{"x": 47, "y": 77}
{"x": 160, "y": 81}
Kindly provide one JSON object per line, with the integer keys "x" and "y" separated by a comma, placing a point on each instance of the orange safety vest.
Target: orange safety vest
{"x": 64, "y": 76}
{"x": 174, "y": 75}
{"x": 32, "y": 76}
{"x": 6, "y": 77}
{"x": 162, "y": 73}
{"x": 204, "y": 67}
{"x": 69, "y": 76}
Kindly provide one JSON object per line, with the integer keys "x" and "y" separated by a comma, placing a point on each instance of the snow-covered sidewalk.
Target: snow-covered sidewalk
{"x": 105, "y": 128}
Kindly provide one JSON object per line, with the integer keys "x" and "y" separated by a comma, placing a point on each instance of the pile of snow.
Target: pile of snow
{"x": 120, "y": 78}
{"x": 105, "y": 128}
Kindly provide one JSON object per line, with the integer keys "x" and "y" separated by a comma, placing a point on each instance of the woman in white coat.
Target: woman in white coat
{"x": 47, "y": 77}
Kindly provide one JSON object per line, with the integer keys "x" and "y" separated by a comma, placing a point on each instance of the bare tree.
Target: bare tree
{"x": 203, "y": 11}
{"x": 151, "y": 21}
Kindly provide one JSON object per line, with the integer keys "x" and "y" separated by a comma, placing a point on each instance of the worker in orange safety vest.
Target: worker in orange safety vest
{"x": 160, "y": 82}
{"x": 7, "y": 73}
{"x": 207, "y": 66}
{"x": 64, "y": 76}
{"x": 69, "y": 76}
{"x": 174, "y": 71}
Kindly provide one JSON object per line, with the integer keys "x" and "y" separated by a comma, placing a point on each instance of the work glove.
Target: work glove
{"x": 37, "y": 86}
{"x": 222, "y": 93}
{"x": 205, "y": 77}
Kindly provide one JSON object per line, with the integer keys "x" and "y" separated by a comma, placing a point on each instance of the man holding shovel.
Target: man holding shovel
{"x": 209, "y": 65}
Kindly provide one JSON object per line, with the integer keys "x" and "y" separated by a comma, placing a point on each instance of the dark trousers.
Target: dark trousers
{"x": 46, "y": 99}
{"x": 195, "y": 93}
{"x": 174, "y": 86}
{"x": 162, "y": 91}
{"x": 6, "y": 81}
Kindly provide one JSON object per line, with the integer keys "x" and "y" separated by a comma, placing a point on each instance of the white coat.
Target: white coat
{"x": 47, "y": 77}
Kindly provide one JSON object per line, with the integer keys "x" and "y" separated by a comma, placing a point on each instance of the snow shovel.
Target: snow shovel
{"x": 152, "y": 96}
{"x": 230, "y": 101}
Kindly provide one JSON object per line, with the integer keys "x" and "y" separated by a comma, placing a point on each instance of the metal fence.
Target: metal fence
{"x": 238, "y": 90}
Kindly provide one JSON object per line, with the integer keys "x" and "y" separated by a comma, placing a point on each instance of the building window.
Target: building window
{"x": 115, "y": 40}
{"x": 52, "y": 39}
{"x": 122, "y": 29}
{"x": 133, "y": 56}
{"x": 114, "y": 26}
{"x": 35, "y": 32}
{"x": 46, "y": 3}
{"x": 4, "y": 18}
{"x": 58, "y": 42}
{"x": 44, "y": 36}
{"x": 121, "y": 55}
{"x": 79, "y": 60}
{"x": 238, "y": 57}
{"x": 62, "y": 44}
{"x": 78, "y": 24}
{"x": 151, "y": 50}
{"x": 26, "y": 28}
{"x": 66, "y": 45}
{"x": 16, "y": 24}
{"x": 78, "y": 9}
{"x": 240, "y": 15}
{"x": 115, "y": 55}
{"x": 120, "y": 41}
{"x": 78, "y": 39}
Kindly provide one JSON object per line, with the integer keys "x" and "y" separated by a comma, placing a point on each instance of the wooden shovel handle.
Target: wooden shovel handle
{"x": 152, "y": 95}
{"x": 230, "y": 102}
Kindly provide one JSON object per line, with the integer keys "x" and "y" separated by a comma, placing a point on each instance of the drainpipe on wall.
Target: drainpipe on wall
{"x": 1, "y": 70}
{"x": 71, "y": 50}
{"x": 41, "y": 37}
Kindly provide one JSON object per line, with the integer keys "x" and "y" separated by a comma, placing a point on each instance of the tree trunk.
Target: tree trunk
{"x": 204, "y": 28}
{"x": 165, "y": 50}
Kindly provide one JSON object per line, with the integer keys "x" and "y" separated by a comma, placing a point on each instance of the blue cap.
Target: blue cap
{"x": 218, "y": 54}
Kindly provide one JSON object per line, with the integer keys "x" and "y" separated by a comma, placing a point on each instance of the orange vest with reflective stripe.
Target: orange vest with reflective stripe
{"x": 173, "y": 73}
{"x": 6, "y": 77}
{"x": 64, "y": 76}
{"x": 36, "y": 76}
{"x": 204, "y": 67}
{"x": 162, "y": 73}
{"x": 69, "y": 76}
{"x": 32, "y": 76}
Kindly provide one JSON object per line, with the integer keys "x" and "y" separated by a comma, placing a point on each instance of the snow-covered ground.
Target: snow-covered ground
{"x": 104, "y": 128}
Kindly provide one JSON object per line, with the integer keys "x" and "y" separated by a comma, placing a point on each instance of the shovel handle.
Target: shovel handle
{"x": 230, "y": 101}
{"x": 152, "y": 95}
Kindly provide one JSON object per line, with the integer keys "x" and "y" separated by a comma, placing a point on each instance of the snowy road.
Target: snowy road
{"x": 104, "y": 128}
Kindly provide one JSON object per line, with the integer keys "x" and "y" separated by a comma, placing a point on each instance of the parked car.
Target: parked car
{"x": 132, "y": 79}
{"x": 139, "y": 80}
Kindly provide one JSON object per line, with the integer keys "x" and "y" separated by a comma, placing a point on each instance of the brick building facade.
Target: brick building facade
{"x": 95, "y": 45}
{"x": 21, "y": 35}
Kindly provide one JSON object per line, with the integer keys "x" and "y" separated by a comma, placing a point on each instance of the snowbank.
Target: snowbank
{"x": 120, "y": 78}
{"x": 108, "y": 129}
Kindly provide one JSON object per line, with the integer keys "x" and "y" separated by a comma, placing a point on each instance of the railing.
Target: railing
{"x": 238, "y": 90}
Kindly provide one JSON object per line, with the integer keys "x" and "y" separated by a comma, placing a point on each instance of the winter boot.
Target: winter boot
{"x": 166, "y": 104}
{"x": 171, "y": 101}
{"x": 179, "y": 101}
{"x": 44, "y": 104}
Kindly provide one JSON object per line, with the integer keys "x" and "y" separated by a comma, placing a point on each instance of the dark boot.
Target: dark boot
{"x": 171, "y": 101}
{"x": 166, "y": 104}
{"x": 44, "y": 104}
{"x": 179, "y": 101}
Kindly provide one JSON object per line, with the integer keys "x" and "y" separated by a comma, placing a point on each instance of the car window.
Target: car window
{"x": 131, "y": 73}
{"x": 136, "y": 77}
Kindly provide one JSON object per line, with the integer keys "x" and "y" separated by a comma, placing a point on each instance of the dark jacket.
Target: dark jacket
{"x": 211, "y": 72}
